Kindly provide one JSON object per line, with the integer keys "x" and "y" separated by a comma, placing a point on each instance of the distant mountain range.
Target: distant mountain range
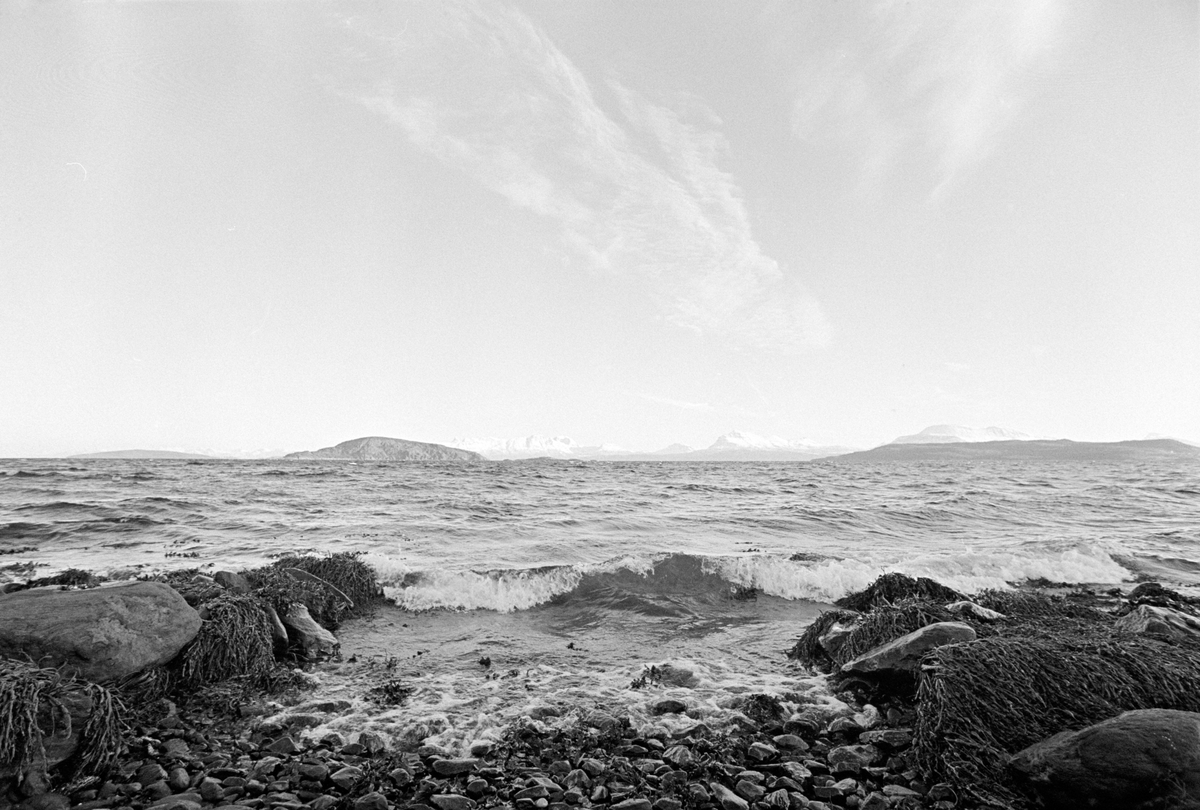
{"x": 379, "y": 448}
{"x": 147, "y": 454}
{"x": 1034, "y": 449}
{"x": 934, "y": 442}
{"x": 733, "y": 446}
{"x": 953, "y": 434}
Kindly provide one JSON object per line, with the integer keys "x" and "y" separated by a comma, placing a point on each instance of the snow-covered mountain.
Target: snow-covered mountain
{"x": 951, "y": 434}
{"x": 733, "y": 446}
{"x": 526, "y": 447}
{"x": 738, "y": 440}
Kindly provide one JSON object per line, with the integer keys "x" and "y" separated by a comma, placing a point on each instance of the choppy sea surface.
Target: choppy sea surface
{"x": 571, "y": 578}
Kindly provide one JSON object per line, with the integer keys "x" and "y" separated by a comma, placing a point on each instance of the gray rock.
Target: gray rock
{"x": 453, "y": 767}
{"x": 669, "y": 706}
{"x": 346, "y": 777}
{"x": 904, "y": 654}
{"x": 452, "y": 801}
{"x": 852, "y": 758}
{"x": 633, "y": 804}
{"x": 893, "y": 738}
{"x": 313, "y": 639}
{"x": 98, "y": 634}
{"x": 1140, "y": 759}
{"x": 371, "y": 801}
{"x": 727, "y": 798}
{"x": 232, "y": 582}
{"x": 790, "y": 742}
{"x": 1150, "y": 620}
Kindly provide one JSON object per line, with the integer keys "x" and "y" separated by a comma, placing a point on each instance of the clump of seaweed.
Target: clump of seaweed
{"x": 332, "y": 587}
{"x": 980, "y": 703}
{"x": 194, "y": 587}
{"x": 36, "y": 706}
{"x": 891, "y": 588}
{"x": 234, "y": 640}
{"x": 345, "y": 571}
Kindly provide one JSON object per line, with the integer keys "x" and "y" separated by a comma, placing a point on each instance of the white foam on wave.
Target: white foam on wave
{"x": 968, "y": 571}
{"x": 502, "y": 591}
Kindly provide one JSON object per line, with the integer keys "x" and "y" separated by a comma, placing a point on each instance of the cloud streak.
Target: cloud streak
{"x": 926, "y": 84}
{"x": 634, "y": 184}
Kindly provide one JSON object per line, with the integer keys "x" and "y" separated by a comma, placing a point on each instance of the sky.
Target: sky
{"x": 246, "y": 224}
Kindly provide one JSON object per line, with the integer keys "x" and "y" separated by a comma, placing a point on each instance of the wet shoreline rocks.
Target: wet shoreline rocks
{"x": 1006, "y": 671}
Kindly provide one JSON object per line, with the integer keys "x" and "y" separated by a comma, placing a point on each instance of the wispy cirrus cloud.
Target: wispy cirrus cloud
{"x": 932, "y": 85}
{"x": 634, "y": 184}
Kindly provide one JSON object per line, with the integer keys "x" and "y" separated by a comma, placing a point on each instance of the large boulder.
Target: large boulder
{"x": 1143, "y": 759}
{"x": 99, "y": 634}
{"x": 903, "y": 655}
{"x": 1151, "y": 620}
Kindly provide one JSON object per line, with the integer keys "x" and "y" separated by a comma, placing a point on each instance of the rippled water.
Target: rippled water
{"x": 570, "y": 578}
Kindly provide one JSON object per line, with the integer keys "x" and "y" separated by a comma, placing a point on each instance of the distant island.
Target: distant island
{"x": 146, "y": 454}
{"x": 380, "y": 448}
{"x": 1028, "y": 450}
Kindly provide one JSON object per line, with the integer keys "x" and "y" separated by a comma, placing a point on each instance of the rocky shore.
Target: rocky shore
{"x": 952, "y": 703}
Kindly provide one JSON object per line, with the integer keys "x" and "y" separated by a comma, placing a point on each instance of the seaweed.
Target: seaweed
{"x": 344, "y": 571}
{"x": 234, "y": 640}
{"x": 890, "y": 588}
{"x": 332, "y": 588}
{"x": 980, "y": 703}
{"x": 808, "y": 649}
{"x": 35, "y": 706}
{"x": 70, "y": 578}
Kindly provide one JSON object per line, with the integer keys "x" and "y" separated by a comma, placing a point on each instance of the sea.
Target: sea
{"x": 546, "y": 591}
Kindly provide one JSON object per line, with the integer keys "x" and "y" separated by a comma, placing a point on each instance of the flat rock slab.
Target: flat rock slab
{"x": 98, "y": 634}
{"x": 1152, "y": 620}
{"x": 904, "y": 654}
{"x": 1143, "y": 759}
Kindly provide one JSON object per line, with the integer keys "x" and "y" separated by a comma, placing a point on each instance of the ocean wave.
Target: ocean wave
{"x": 674, "y": 584}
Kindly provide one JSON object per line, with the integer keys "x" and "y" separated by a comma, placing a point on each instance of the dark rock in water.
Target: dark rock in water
{"x": 675, "y": 675}
{"x": 1152, "y": 593}
{"x": 1149, "y": 620}
{"x": 99, "y": 634}
{"x": 1140, "y": 760}
{"x": 313, "y": 639}
{"x": 904, "y": 654}
{"x": 669, "y": 706}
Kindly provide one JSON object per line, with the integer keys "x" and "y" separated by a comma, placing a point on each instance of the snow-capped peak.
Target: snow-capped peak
{"x": 526, "y": 447}
{"x": 947, "y": 434}
{"x": 741, "y": 440}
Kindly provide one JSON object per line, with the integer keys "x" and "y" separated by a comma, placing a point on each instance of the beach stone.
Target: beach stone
{"x": 45, "y": 801}
{"x": 453, "y": 767}
{"x": 313, "y": 640}
{"x": 727, "y": 798}
{"x": 761, "y": 752}
{"x": 633, "y": 804}
{"x": 679, "y": 755}
{"x": 372, "y": 743}
{"x": 346, "y": 776}
{"x": 232, "y": 582}
{"x": 675, "y": 675}
{"x": 904, "y": 654}
{"x": 669, "y": 706}
{"x": 1151, "y": 620}
{"x": 371, "y": 801}
{"x": 1140, "y": 759}
{"x": 852, "y": 758}
{"x": 790, "y": 742}
{"x": 452, "y": 801}
{"x": 98, "y": 634}
{"x": 834, "y": 638}
{"x": 965, "y": 607}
